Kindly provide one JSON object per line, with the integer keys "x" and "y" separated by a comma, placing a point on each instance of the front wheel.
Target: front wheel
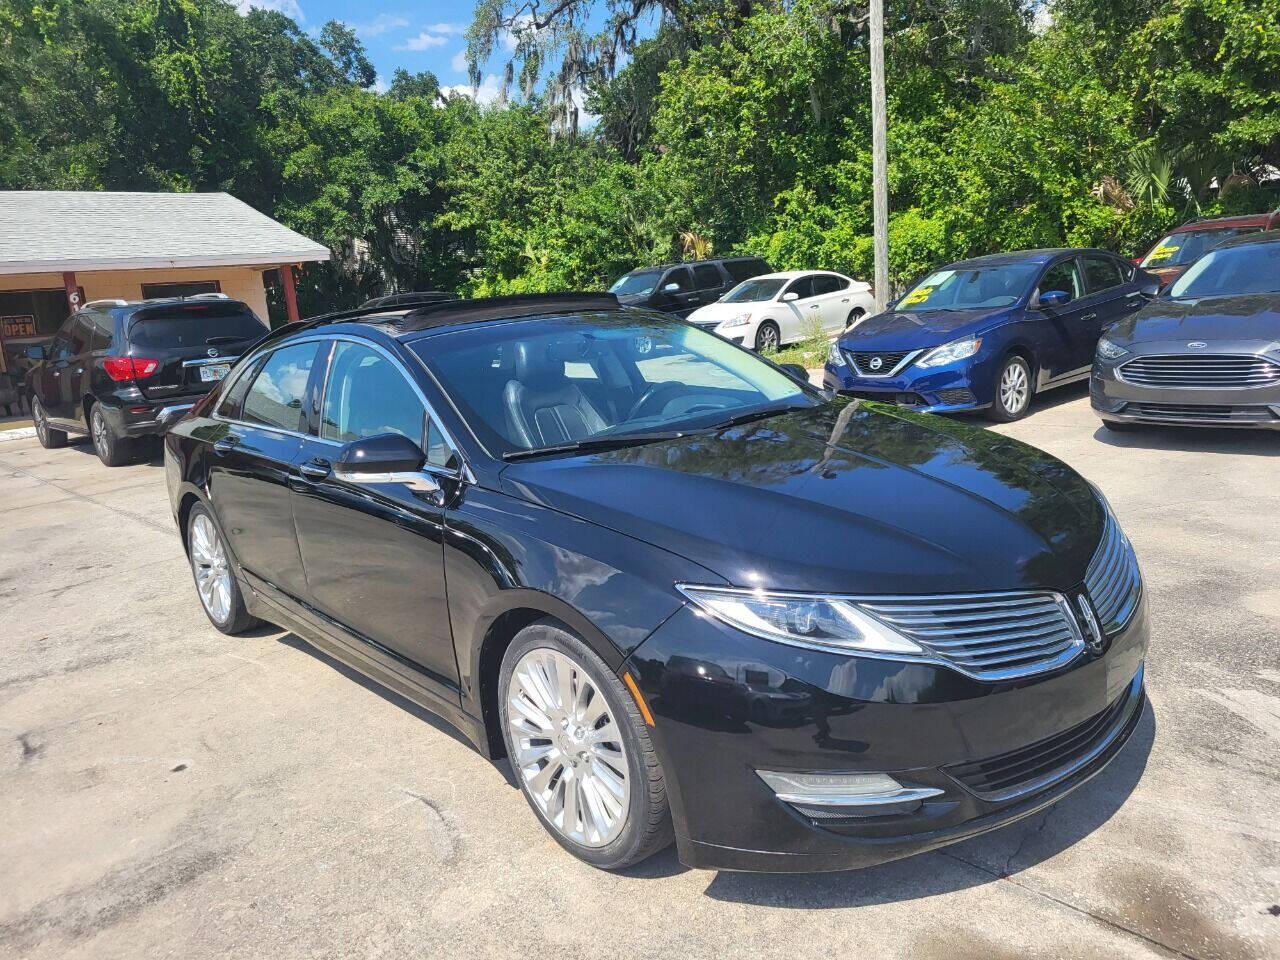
{"x": 1012, "y": 390}
{"x": 49, "y": 438}
{"x": 580, "y": 750}
{"x": 767, "y": 337}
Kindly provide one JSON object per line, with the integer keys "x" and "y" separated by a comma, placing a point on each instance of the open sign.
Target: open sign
{"x": 24, "y": 326}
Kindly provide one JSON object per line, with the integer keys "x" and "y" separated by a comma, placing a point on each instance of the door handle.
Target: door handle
{"x": 1090, "y": 316}
{"x": 225, "y": 445}
{"x": 316, "y": 469}
{"x": 57, "y": 373}
{"x": 845, "y": 300}
{"x": 79, "y": 370}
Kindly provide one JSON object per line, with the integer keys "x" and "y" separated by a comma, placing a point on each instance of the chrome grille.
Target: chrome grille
{"x": 889, "y": 361}
{"x": 990, "y": 636}
{"x": 1210, "y": 370}
{"x": 1113, "y": 579}
{"x": 1201, "y": 413}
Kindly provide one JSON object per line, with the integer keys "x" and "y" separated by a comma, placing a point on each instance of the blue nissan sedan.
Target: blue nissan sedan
{"x": 988, "y": 333}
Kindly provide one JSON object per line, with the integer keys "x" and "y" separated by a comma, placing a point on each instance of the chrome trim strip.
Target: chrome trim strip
{"x": 905, "y": 795}
{"x": 207, "y": 361}
{"x": 172, "y": 410}
{"x": 1134, "y": 701}
{"x": 905, "y": 362}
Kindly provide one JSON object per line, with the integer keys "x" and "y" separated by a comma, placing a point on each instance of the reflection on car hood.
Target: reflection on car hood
{"x": 847, "y": 497}
{"x": 1251, "y": 317}
{"x": 630, "y": 299}
{"x": 720, "y": 312}
{"x": 902, "y": 330}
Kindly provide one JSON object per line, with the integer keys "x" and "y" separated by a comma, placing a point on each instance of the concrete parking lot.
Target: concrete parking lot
{"x": 168, "y": 791}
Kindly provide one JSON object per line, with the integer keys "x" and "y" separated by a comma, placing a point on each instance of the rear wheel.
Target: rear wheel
{"x": 111, "y": 449}
{"x": 581, "y": 750}
{"x": 1012, "y": 390}
{"x": 856, "y": 314}
{"x": 767, "y": 337}
{"x": 49, "y": 438}
{"x": 216, "y": 583}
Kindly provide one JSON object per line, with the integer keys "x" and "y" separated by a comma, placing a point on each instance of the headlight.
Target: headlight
{"x": 741, "y": 320}
{"x": 834, "y": 356}
{"x": 1109, "y": 351}
{"x": 950, "y": 352}
{"x": 807, "y": 620}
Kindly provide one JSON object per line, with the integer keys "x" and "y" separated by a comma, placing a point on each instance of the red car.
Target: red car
{"x": 1176, "y": 251}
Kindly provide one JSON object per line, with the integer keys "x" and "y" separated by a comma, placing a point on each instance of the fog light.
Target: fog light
{"x": 835, "y": 795}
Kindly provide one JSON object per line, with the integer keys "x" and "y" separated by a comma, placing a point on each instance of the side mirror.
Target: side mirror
{"x": 1054, "y": 298}
{"x": 385, "y": 458}
{"x": 671, "y": 288}
{"x": 789, "y": 296}
{"x": 796, "y": 370}
{"x": 34, "y": 353}
{"x": 1151, "y": 290}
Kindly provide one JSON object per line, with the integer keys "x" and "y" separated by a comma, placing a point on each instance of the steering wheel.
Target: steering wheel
{"x": 650, "y": 398}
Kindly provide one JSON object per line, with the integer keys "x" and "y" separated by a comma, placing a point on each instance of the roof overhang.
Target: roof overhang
{"x": 260, "y": 261}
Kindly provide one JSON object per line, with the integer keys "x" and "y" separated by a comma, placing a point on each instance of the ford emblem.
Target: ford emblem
{"x": 1197, "y": 344}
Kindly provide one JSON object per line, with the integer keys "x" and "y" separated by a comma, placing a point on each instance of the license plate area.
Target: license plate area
{"x": 214, "y": 371}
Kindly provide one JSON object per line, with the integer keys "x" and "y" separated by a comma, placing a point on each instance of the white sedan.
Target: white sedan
{"x": 775, "y": 309}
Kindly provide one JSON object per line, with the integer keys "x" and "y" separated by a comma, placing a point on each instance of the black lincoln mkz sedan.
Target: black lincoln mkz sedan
{"x": 684, "y": 592}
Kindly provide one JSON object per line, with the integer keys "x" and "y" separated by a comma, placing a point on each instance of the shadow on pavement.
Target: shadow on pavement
{"x": 972, "y": 863}
{"x": 1254, "y": 443}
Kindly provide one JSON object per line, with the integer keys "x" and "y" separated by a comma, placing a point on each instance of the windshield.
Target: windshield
{"x": 1179, "y": 249}
{"x": 753, "y": 291}
{"x": 995, "y": 286}
{"x": 548, "y": 382}
{"x": 1251, "y": 268}
{"x": 638, "y": 283}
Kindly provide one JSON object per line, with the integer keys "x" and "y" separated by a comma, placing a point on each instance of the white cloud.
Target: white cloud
{"x": 289, "y": 8}
{"x": 459, "y": 61}
{"x": 490, "y": 90}
{"x": 447, "y": 28}
{"x": 522, "y": 24}
{"x": 424, "y": 41}
{"x": 382, "y": 23}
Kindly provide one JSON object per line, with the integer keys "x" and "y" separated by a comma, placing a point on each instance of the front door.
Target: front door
{"x": 681, "y": 299}
{"x": 254, "y": 462}
{"x": 374, "y": 553}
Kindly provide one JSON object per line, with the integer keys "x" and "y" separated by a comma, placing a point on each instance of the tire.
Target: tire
{"x": 856, "y": 314}
{"x": 768, "y": 339}
{"x": 1012, "y": 390}
{"x": 211, "y": 568}
{"x": 49, "y": 438}
{"x": 112, "y": 450}
{"x": 548, "y": 767}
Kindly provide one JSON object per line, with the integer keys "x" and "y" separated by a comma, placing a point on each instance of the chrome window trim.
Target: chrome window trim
{"x": 905, "y": 362}
{"x": 462, "y": 472}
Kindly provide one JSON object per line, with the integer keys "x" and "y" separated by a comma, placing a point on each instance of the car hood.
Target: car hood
{"x": 848, "y": 497}
{"x": 900, "y": 330}
{"x": 1209, "y": 319}
{"x": 719, "y": 312}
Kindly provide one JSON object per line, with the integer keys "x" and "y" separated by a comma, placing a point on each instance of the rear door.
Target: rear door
{"x": 832, "y": 296}
{"x": 194, "y": 344}
{"x": 254, "y": 460}
{"x": 1113, "y": 295}
{"x": 374, "y": 553}
{"x": 709, "y": 282}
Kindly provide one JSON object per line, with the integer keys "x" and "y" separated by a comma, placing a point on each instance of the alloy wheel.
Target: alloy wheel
{"x": 42, "y": 424}
{"x": 1014, "y": 387}
{"x": 569, "y": 748}
{"x": 100, "y": 439}
{"x": 767, "y": 340}
{"x": 212, "y": 572}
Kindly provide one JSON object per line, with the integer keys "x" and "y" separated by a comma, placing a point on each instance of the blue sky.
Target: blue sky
{"x": 417, "y": 36}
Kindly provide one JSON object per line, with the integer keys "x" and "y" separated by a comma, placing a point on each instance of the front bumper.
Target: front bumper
{"x": 953, "y": 388}
{"x": 1116, "y": 400}
{"x": 727, "y": 704}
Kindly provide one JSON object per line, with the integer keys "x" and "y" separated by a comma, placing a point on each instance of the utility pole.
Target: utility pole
{"x": 879, "y": 157}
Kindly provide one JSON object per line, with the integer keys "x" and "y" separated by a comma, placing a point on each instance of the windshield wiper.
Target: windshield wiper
{"x": 756, "y": 414}
{"x": 597, "y": 443}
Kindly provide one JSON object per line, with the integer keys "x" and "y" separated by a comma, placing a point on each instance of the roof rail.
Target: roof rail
{"x": 108, "y": 302}
{"x": 207, "y": 296}
{"x": 506, "y": 308}
{"x": 409, "y": 298}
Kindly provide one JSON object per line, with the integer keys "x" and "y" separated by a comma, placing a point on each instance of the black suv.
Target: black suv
{"x": 681, "y": 288}
{"x": 119, "y": 370}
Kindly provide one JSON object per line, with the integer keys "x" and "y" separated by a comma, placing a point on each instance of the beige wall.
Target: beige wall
{"x": 239, "y": 283}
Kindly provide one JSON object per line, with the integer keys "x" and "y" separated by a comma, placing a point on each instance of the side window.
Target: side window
{"x": 81, "y": 334}
{"x": 1063, "y": 276}
{"x": 275, "y": 397}
{"x": 368, "y": 395}
{"x": 101, "y": 334}
{"x": 1101, "y": 273}
{"x": 802, "y": 287}
{"x": 828, "y": 283}
{"x": 706, "y": 276}
{"x": 233, "y": 397}
{"x": 438, "y": 452}
{"x": 679, "y": 276}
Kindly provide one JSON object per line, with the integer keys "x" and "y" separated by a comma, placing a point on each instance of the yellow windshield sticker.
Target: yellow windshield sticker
{"x": 918, "y": 295}
{"x": 1163, "y": 252}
